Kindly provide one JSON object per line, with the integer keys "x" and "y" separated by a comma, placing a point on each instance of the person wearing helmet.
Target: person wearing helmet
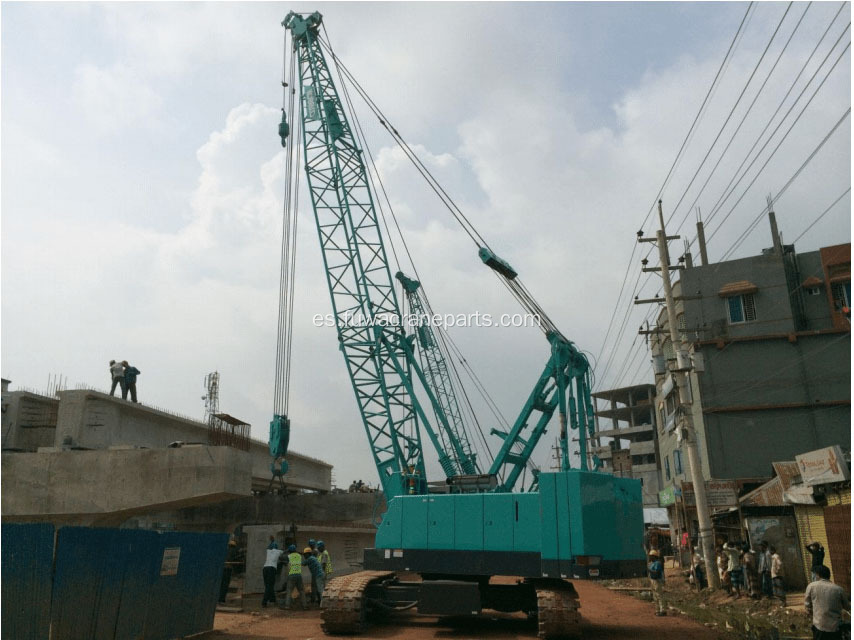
{"x": 656, "y": 580}
{"x": 317, "y": 582}
{"x": 325, "y": 560}
{"x": 294, "y": 577}
{"x": 312, "y": 545}
{"x": 271, "y": 566}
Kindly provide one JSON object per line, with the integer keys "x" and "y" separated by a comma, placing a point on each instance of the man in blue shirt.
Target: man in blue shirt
{"x": 317, "y": 577}
{"x": 130, "y": 381}
{"x": 656, "y": 580}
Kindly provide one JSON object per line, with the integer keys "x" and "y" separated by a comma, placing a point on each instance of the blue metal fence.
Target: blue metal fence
{"x": 109, "y": 584}
{"x": 27, "y": 557}
{"x": 192, "y": 593}
{"x": 101, "y": 583}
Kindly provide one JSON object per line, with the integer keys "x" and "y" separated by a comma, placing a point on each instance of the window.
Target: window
{"x": 741, "y": 308}
{"x": 841, "y": 295}
{"x": 813, "y": 291}
{"x": 667, "y": 467}
{"x": 677, "y": 461}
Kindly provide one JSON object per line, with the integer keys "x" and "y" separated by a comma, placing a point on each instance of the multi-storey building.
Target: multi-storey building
{"x": 769, "y": 337}
{"x": 631, "y": 447}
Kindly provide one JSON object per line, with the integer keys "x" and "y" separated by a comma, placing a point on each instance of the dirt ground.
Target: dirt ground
{"x": 606, "y": 614}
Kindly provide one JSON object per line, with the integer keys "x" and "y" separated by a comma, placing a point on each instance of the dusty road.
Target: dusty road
{"x": 606, "y": 615}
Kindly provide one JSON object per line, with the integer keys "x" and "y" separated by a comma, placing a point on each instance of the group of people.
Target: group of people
{"x": 315, "y": 557}
{"x": 357, "y": 486}
{"x": 761, "y": 574}
{"x": 756, "y": 573}
{"x": 124, "y": 376}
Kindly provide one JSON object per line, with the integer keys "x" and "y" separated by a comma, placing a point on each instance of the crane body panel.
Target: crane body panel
{"x": 579, "y": 524}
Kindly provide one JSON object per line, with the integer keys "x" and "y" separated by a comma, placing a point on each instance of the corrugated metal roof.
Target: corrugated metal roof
{"x": 772, "y": 493}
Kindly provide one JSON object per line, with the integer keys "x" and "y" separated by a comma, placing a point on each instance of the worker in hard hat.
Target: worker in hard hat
{"x": 656, "y": 581}
{"x": 325, "y": 560}
{"x": 317, "y": 582}
{"x": 294, "y": 577}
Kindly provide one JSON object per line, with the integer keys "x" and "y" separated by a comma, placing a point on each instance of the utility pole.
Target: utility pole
{"x": 685, "y": 428}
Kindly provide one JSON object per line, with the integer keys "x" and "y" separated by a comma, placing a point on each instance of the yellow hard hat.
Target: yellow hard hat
{"x": 307, "y": 550}
{"x": 654, "y": 552}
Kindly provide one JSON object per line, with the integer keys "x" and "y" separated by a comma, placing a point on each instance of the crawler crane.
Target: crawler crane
{"x": 570, "y": 524}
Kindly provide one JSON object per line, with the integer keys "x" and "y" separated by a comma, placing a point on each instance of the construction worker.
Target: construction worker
{"x": 271, "y": 565}
{"x": 294, "y": 577}
{"x": 316, "y": 571}
{"x": 312, "y": 545}
{"x": 656, "y": 580}
{"x": 325, "y": 560}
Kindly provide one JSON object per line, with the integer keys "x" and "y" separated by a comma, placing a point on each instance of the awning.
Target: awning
{"x": 798, "y": 494}
{"x": 737, "y": 288}
{"x": 811, "y": 282}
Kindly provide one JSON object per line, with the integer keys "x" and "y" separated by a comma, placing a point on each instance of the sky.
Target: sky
{"x": 142, "y": 182}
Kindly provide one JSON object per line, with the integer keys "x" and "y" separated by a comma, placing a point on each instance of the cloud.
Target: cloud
{"x": 115, "y": 97}
{"x": 176, "y": 266}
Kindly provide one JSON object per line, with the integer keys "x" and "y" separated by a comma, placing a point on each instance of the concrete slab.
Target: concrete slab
{"x": 105, "y": 488}
{"x": 95, "y": 420}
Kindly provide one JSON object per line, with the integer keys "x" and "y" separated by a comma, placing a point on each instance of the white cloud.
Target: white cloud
{"x": 114, "y": 97}
{"x": 498, "y": 124}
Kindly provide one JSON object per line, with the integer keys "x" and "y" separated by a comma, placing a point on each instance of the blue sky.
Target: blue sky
{"x": 142, "y": 178}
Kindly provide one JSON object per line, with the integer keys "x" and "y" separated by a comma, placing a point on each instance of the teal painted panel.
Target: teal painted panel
{"x": 414, "y": 522}
{"x": 526, "y": 524}
{"x": 629, "y": 495}
{"x": 563, "y": 516}
{"x": 595, "y": 530}
{"x": 390, "y": 531}
{"x": 440, "y": 522}
{"x": 548, "y": 520}
{"x": 468, "y": 522}
{"x": 498, "y": 515}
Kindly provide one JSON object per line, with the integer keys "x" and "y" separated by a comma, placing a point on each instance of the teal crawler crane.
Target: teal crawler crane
{"x": 573, "y": 524}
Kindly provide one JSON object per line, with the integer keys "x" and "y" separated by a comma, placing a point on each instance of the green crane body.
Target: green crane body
{"x": 576, "y": 523}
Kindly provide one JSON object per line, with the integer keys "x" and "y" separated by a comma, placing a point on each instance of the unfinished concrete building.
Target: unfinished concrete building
{"x": 625, "y": 439}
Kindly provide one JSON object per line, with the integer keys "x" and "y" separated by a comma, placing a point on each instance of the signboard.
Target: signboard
{"x": 668, "y": 496}
{"x": 169, "y": 565}
{"x": 719, "y": 493}
{"x": 823, "y": 466}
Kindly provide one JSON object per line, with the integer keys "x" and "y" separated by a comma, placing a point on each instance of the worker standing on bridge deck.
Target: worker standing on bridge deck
{"x": 656, "y": 581}
{"x": 117, "y": 372}
{"x": 294, "y": 577}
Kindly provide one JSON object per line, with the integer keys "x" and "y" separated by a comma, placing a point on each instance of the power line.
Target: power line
{"x": 691, "y": 129}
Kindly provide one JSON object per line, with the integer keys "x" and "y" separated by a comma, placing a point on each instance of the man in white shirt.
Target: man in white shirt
{"x": 271, "y": 565}
{"x": 117, "y": 371}
{"x": 824, "y": 602}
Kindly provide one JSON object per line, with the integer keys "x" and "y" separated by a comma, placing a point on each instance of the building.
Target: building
{"x": 769, "y": 338}
{"x": 630, "y": 449}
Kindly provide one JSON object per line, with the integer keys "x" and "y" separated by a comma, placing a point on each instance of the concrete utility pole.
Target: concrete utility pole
{"x": 685, "y": 430}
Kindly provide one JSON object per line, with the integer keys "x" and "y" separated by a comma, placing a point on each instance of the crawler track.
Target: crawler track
{"x": 343, "y": 608}
{"x": 557, "y": 613}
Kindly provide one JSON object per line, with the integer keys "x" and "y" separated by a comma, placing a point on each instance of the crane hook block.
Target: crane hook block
{"x": 280, "y": 434}
{"x": 497, "y": 264}
{"x": 284, "y": 128}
